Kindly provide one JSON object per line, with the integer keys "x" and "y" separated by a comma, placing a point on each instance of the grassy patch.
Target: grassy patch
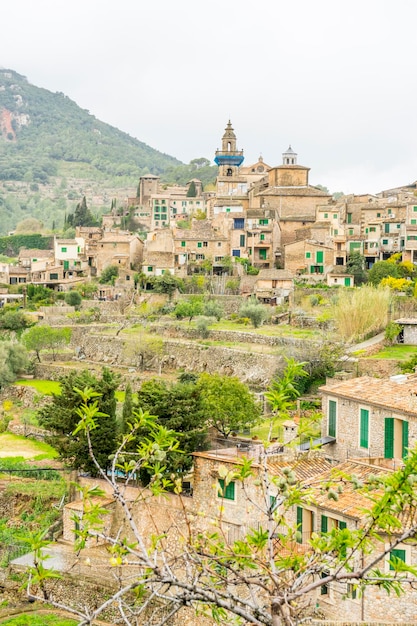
{"x": 18, "y": 446}
{"x": 29, "y": 619}
{"x": 399, "y": 352}
{"x": 45, "y": 387}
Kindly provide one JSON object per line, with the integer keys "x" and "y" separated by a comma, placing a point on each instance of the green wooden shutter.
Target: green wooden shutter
{"x": 342, "y": 525}
{"x": 332, "y": 418}
{"x": 324, "y": 523}
{"x": 389, "y": 438}
{"x": 399, "y": 554}
{"x": 364, "y": 428}
{"x": 347, "y": 281}
{"x": 405, "y": 440}
{"x": 319, "y": 256}
{"x": 300, "y": 524}
{"x": 227, "y": 492}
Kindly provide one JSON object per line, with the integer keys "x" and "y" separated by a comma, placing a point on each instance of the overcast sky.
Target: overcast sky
{"x": 336, "y": 79}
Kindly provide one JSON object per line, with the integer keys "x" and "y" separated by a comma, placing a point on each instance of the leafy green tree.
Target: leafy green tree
{"x": 73, "y": 298}
{"x": 254, "y": 310}
{"x": 189, "y": 308}
{"x": 128, "y": 406}
{"x": 383, "y": 269}
{"x": 39, "y": 293}
{"x": 283, "y": 390}
{"x": 355, "y": 265}
{"x": 109, "y": 275}
{"x": 13, "y": 361}
{"x": 145, "y": 350}
{"x": 178, "y": 407}
{"x": 61, "y": 416}
{"x": 228, "y": 404}
{"x": 82, "y": 216}
{"x": 213, "y": 309}
{"x": 167, "y": 283}
{"x": 192, "y": 191}
{"x": 13, "y": 320}
{"x": 38, "y": 338}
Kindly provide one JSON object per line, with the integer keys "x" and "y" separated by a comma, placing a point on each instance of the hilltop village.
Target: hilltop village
{"x": 269, "y": 216}
{"x": 265, "y": 529}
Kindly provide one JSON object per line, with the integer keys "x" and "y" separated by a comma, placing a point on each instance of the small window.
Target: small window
{"x": 378, "y": 214}
{"x": 324, "y": 589}
{"x": 205, "y": 244}
{"x": 150, "y": 268}
{"x": 226, "y": 491}
{"x": 396, "y": 554}
{"x": 326, "y": 215}
{"x": 364, "y": 428}
{"x": 415, "y": 209}
{"x": 308, "y": 255}
{"x": 53, "y": 276}
{"x": 398, "y": 225}
{"x": 262, "y": 237}
{"x": 350, "y": 231}
{"x": 63, "y": 249}
{"x": 335, "y": 216}
{"x": 182, "y": 244}
{"x": 199, "y": 244}
{"x": 385, "y": 242}
{"x": 332, "y": 418}
{"x": 413, "y": 222}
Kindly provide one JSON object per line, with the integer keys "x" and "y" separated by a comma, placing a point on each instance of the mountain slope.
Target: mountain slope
{"x": 41, "y": 131}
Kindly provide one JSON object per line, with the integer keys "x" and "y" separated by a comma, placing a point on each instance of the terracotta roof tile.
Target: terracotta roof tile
{"x": 397, "y": 396}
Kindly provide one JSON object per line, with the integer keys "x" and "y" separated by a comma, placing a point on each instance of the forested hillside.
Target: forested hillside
{"x": 52, "y": 153}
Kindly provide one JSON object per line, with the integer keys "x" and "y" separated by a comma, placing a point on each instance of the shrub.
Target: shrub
{"x": 213, "y": 309}
{"x": 391, "y": 333}
{"x": 73, "y": 298}
{"x": 202, "y": 326}
{"x": 255, "y": 311}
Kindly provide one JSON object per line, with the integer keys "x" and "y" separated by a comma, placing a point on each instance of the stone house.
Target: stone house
{"x": 243, "y": 506}
{"x": 16, "y": 275}
{"x": 69, "y": 253}
{"x": 73, "y": 519}
{"x": 34, "y": 259}
{"x": 205, "y": 240}
{"x": 341, "y": 601}
{"x": 339, "y": 277}
{"x": 158, "y": 253}
{"x": 309, "y": 257}
{"x": 269, "y": 286}
{"x": 370, "y": 418}
{"x": 408, "y": 333}
{"x": 118, "y": 248}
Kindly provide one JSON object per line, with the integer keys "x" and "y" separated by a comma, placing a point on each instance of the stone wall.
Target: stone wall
{"x": 251, "y": 367}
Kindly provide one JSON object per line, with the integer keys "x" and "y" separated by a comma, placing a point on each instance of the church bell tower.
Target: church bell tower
{"x": 229, "y": 158}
